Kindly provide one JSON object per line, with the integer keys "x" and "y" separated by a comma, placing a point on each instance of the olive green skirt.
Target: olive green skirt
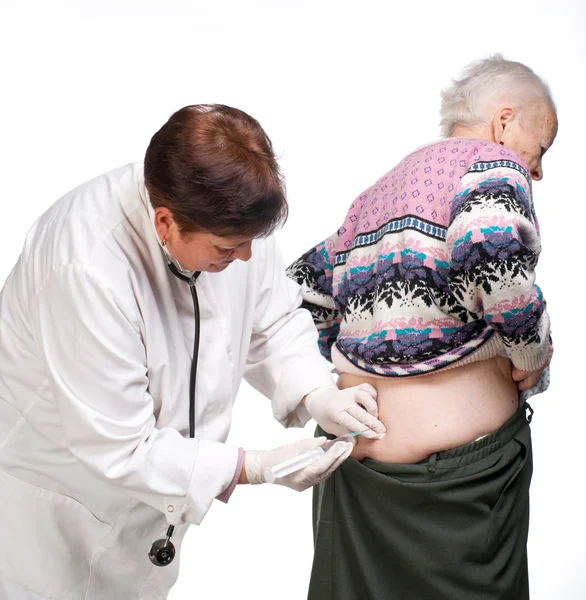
{"x": 452, "y": 527}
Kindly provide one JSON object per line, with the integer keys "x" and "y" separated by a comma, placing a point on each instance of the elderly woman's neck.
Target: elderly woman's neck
{"x": 484, "y": 132}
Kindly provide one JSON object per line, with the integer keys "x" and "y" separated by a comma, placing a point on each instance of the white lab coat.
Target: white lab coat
{"x": 96, "y": 338}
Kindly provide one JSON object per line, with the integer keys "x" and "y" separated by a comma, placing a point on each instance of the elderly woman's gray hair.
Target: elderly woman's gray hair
{"x": 471, "y": 99}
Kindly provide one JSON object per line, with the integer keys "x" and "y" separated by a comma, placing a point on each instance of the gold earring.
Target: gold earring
{"x": 164, "y": 243}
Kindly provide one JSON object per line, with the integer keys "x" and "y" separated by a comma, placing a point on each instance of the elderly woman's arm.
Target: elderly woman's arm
{"x": 494, "y": 244}
{"x": 314, "y": 273}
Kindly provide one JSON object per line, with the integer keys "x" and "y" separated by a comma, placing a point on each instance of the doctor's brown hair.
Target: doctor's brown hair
{"x": 214, "y": 168}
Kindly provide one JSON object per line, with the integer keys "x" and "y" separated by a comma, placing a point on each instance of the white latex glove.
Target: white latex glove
{"x": 255, "y": 462}
{"x": 341, "y": 411}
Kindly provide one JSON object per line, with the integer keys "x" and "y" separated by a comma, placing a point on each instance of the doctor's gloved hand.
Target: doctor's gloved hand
{"x": 256, "y": 461}
{"x": 345, "y": 411}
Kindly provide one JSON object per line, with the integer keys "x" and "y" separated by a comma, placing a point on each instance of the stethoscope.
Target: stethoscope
{"x": 162, "y": 551}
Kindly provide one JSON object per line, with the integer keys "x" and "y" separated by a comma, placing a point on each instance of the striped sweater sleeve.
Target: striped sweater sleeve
{"x": 314, "y": 273}
{"x": 493, "y": 242}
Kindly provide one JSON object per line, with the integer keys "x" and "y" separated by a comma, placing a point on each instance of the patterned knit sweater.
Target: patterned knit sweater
{"x": 433, "y": 267}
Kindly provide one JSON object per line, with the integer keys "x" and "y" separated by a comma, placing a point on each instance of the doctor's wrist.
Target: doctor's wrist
{"x": 243, "y": 477}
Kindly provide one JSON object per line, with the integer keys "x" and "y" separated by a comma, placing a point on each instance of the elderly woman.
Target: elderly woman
{"x": 427, "y": 293}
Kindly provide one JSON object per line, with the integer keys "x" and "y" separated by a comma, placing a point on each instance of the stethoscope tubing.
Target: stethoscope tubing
{"x": 167, "y": 544}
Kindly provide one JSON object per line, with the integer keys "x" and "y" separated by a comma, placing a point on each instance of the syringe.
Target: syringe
{"x": 303, "y": 460}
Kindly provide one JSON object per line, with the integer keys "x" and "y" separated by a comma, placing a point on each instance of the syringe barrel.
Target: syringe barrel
{"x": 303, "y": 460}
{"x": 293, "y": 464}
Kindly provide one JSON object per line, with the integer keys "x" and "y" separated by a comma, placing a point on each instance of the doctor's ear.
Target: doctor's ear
{"x": 164, "y": 222}
{"x": 501, "y": 120}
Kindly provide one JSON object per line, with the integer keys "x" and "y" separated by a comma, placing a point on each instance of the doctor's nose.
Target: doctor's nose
{"x": 243, "y": 252}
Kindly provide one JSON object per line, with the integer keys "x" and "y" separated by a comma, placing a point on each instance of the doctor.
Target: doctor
{"x": 139, "y": 302}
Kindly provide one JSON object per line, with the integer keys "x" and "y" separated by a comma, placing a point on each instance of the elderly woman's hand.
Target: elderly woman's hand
{"x": 527, "y": 379}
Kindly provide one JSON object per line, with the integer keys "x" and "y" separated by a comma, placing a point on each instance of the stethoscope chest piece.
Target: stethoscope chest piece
{"x": 162, "y": 552}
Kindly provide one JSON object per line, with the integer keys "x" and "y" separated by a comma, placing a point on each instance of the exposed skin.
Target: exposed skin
{"x": 200, "y": 251}
{"x": 530, "y": 136}
{"x": 529, "y": 131}
{"x": 438, "y": 411}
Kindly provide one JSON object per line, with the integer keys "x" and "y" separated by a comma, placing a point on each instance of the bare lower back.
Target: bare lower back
{"x": 438, "y": 411}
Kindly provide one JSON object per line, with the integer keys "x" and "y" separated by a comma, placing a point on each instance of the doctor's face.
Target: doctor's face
{"x": 200, "y": 251}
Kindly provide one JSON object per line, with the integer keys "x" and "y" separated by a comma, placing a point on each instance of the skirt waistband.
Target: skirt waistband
{"x": 478, "y": 449}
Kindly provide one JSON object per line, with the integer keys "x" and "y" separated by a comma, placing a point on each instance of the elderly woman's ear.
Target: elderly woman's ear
{"x": 502, "y": 118}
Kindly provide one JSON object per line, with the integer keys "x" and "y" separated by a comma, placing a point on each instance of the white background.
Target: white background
{"x": 345, "y": 90}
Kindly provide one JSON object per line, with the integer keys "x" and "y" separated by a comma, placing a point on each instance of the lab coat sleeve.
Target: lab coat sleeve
{"x": 283, "y": 361}
{"x": 90, "y": 341}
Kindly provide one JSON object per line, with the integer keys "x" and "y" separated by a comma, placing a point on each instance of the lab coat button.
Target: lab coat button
{"x": 170, "y": 508}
